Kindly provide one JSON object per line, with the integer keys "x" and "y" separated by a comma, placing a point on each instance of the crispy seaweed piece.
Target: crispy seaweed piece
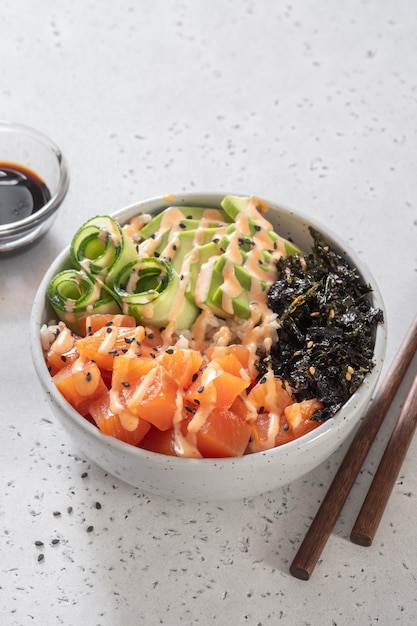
{"x": 328, "y": 324}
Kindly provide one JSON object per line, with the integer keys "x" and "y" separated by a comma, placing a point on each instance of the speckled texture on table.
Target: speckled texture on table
{"x": 312, "y": 104}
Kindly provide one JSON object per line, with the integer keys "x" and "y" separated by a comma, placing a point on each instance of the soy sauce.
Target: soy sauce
{"x": 22, "y": 192}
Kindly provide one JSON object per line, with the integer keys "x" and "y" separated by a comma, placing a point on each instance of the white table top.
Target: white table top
{"x": 312, "y": 104}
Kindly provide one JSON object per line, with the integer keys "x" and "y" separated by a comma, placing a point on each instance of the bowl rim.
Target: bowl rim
{"x": 325, "y": 430}
{"x": 21, "y": 226}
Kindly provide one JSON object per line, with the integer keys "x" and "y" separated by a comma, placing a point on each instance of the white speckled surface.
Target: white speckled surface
{"x": 313, "y": 104}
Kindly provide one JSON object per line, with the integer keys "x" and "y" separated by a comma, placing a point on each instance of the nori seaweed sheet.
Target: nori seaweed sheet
{"x": 327, "y": 326}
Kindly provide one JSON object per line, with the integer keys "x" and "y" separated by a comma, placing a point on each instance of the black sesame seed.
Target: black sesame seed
{"x": 174, "y": 247}
{"x": 156, "y": 254}
{"x": 125, "y": 383}
{"x": 63, "y": 358}
{"x": 98, "y": 505}
{"x": 88, "y": 376}
{"x": 56, "y": 513}
{"x": 170, "y": 351}
{"x": 189, "y": 409}
{"x": 262, "y": 380}
{"x": 150, "y": 335}
{"x": 41, "y": 557}
{"x": 286, "y": 426}
{"x": 69, "y": 510}
{"x": 194, "y": 377}
{"x": 84, "y": 475}
{"x": 200, "y": 389}
{"x": 55, "y": 542}
{"x": 109, "y": 330}
{"x": 261, "y": 409}
{"x": 196, "y": 400}
{"x": 38, "y": 543}
{"x": 257, "y": 227}
{"x": 90, "y": 529}
{"x": 182, "y": 225}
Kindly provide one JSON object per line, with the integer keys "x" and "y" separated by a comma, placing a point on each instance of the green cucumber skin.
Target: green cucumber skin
{"x": 65, "y": 285}
{"x": 106, "y": 261}
{"x": 160, "y": 287}
{"x": 95, "y": 234}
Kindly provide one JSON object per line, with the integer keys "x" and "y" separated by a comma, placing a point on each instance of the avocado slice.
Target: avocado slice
{"x": 202, "y": 255}
{"x": 241, "y": 302}
{"x": 190, "y": 214}
{"x": 207, "y": 254}
{"x": 233, "y": 205}
{"x": 182, "y": 244}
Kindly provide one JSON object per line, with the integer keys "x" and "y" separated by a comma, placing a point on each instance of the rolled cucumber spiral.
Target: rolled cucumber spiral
{"x": 101, "y": 248}
{"x": 73, "y": 295}
{"x": 150, "y": 290}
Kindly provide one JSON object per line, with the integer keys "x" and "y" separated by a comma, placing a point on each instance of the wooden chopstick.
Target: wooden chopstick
{"x": 370, "y": 515}
{"x": 315, "y": 540}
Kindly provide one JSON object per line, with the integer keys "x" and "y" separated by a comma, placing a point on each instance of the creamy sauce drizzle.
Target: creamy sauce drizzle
{"x": 64, "y": 341}
{"x": 258, "y": 259}
{"x": 91, "y": 296}
{"x": 109, "y": 340}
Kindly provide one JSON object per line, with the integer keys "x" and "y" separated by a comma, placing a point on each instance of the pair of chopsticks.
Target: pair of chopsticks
{"x": 374, "y": 504}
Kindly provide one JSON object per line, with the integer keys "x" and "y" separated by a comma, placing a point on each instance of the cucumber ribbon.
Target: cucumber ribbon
{"x": 73, "y": 295}
{"x": 102, "y": 249}
{"x": 227, "y": 256}
{"x": 152, "y": 291}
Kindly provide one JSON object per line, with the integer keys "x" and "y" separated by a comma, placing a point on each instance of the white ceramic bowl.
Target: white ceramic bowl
{"x": 211, "y": 479}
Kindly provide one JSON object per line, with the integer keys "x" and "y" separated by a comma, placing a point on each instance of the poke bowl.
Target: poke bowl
{"x": 184, "y": 472}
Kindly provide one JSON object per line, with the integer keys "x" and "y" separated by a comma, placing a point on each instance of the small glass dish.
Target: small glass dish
{"x": 28, "y": 155}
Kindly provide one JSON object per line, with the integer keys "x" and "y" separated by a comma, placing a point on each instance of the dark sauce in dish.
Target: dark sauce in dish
{"x": 22, "y": 193}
